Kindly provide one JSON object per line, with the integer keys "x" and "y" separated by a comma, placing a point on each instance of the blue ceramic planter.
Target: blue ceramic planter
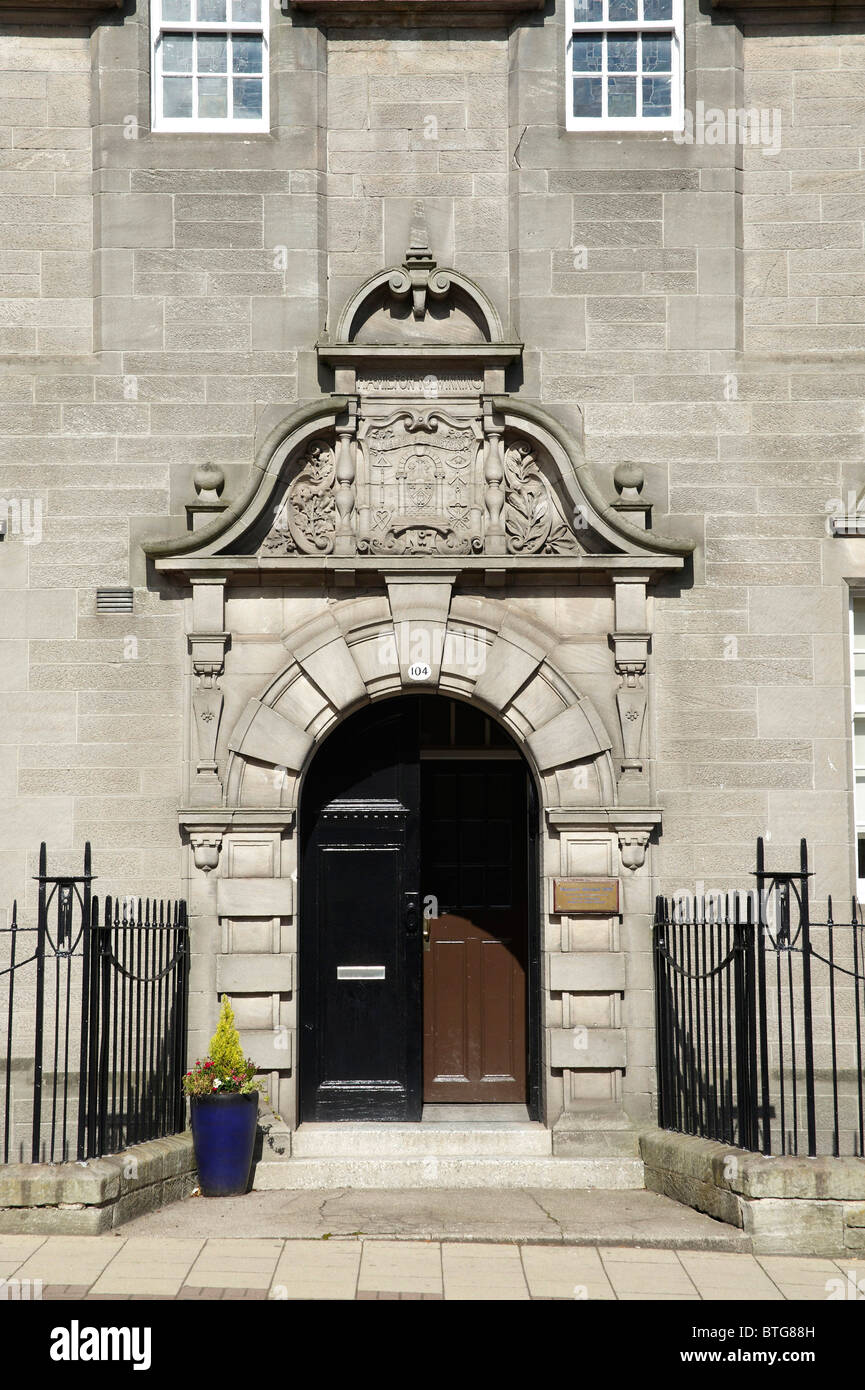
{"x": 223, "y": 1134}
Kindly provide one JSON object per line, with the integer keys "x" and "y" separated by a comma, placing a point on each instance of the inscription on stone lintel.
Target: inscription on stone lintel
{"x": 586, "y": 896}
{"x": 431, "y": 385}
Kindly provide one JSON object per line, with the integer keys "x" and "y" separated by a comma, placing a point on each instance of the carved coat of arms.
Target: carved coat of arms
{"x": 419, "y": 486}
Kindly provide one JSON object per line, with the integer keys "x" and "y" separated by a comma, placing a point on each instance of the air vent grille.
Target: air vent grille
{"x": 113, "y": 600}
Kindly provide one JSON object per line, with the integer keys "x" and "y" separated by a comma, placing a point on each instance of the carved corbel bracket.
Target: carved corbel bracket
{"x": 206, "y": 846}
{"x": 208, "y": 661}
{"x": 631, "y": 657}
{"x": 633, "y": 842}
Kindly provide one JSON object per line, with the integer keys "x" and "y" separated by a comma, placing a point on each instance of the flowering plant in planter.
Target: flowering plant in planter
{"x": 223, "y": 1108}
{"x": 226, "y": 1071}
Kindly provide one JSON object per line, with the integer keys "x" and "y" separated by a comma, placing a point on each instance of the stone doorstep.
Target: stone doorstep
{"x": 431, "y": 1173}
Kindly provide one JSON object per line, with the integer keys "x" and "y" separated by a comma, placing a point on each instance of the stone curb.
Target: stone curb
{"x": 787, "y": 1204}
{"x": 99, "y": 1194}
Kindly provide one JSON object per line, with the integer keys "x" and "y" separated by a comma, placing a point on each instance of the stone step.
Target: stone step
{"x": 421, "y": 1140}
{"x": 492, "y": 1170}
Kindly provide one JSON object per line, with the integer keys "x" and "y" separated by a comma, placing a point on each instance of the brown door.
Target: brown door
{"x": 473, "y": 847}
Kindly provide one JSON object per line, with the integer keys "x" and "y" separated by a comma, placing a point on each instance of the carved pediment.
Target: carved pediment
{"x": 421, "y": 488}
{"x": 419, "y": 451}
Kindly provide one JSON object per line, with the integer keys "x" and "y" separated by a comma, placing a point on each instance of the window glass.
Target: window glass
{"x": 177, "y": 53}
{"x": 622, "y": 52}
{"x": 212, "y": 97}
{"x": 588, "y": 55}
{"x": 246, "y": 54}
{"x": 623, "y": 10}
{"x": 211, "y": 11}
{"x": 657, "y": 53}
{"x": 177, "y": 96}
{"x": 588, "y": 96}
{"x": 247, "y": 98}
{"x": 657, "y": 96}
{"x": 622, "y": 96}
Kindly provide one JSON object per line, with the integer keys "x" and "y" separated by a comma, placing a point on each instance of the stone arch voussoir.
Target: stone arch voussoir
{"x": 475, "y": 650}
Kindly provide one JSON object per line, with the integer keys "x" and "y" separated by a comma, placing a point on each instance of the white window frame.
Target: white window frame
{"x": 857, "y": 712}
{"x": 605, "y": 27}
{"x": 212, "y": 125}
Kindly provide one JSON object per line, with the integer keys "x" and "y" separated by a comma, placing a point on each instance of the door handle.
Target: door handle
{"x": 411, "y": 913}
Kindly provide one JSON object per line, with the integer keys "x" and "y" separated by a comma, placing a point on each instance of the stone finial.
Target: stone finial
{"x": 629, "y": 479}
{"x": 208, "y": 481}
{"x": 415, "y": 275}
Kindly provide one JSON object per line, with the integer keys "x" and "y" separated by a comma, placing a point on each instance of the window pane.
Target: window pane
{"x": 211, "y": 11}
{"x": 212, "y": 97}
{"x": 246, "y": 55}
{"x": 623, "y": 9}
{"x": 622, "y": 96}
{"x": 657, "y": 9}
{"x": 212, "y": 53}
{"x": 587, "y": 96}
{"x": 246, "y": 11}
{"x": 247, "y": 98}
{"x": 177, "y": 53}
{"x": 658, "y": 54}
{"x": 177, "y": 96}
{"x": 622, "y": 54}
{"x": 859, "y": 619}
{"x": 588, "y": 54}
{"x": 657, "y": 96}
{"x": 859, "y": 800}
{"x": 859, "y": 742}
{"x": 588, "y": 11}
{"x": 177, "y": 9}
{"x": 859, "y": 681}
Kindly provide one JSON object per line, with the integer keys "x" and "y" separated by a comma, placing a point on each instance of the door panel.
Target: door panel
{"x": 474, "y": 862}
{"x": 360, "y": 970}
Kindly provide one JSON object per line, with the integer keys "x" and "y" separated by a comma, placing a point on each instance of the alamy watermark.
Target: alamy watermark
{"x": 22, "y": 516}
{"x": 744, "y": 125}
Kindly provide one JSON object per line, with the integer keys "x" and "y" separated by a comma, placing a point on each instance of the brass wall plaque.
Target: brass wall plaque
{"x": 586, "y": 896}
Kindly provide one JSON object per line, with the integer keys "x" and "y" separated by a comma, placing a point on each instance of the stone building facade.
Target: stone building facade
{"x": 421, "y": 389}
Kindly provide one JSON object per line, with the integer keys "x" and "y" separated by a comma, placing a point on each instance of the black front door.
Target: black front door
{"x": 360, "y": 946}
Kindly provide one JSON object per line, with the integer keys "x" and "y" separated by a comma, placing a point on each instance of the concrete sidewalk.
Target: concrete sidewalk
{"x": 113, "y": 1267}
{"x": 478, "y": 1214}
{"x": 504, "y": 1244}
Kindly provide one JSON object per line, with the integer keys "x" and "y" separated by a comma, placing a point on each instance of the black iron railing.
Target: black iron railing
{"x": 95, "y": 1008}
{"x": 759, "y": 1017}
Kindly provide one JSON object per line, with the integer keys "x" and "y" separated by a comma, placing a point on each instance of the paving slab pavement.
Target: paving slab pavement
{"x": 115, "y": 1267}
{"x": 558, "y": 1217}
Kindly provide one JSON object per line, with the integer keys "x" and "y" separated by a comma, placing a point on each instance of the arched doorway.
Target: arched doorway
{"x": 419, "y": 952}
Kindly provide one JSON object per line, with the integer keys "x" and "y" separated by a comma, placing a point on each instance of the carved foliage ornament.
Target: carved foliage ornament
{"x": 306, "y": 520}
{"x": 534, "y": 523}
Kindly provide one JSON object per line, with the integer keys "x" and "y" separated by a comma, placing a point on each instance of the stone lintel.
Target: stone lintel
{"x": 225, "y": 818}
